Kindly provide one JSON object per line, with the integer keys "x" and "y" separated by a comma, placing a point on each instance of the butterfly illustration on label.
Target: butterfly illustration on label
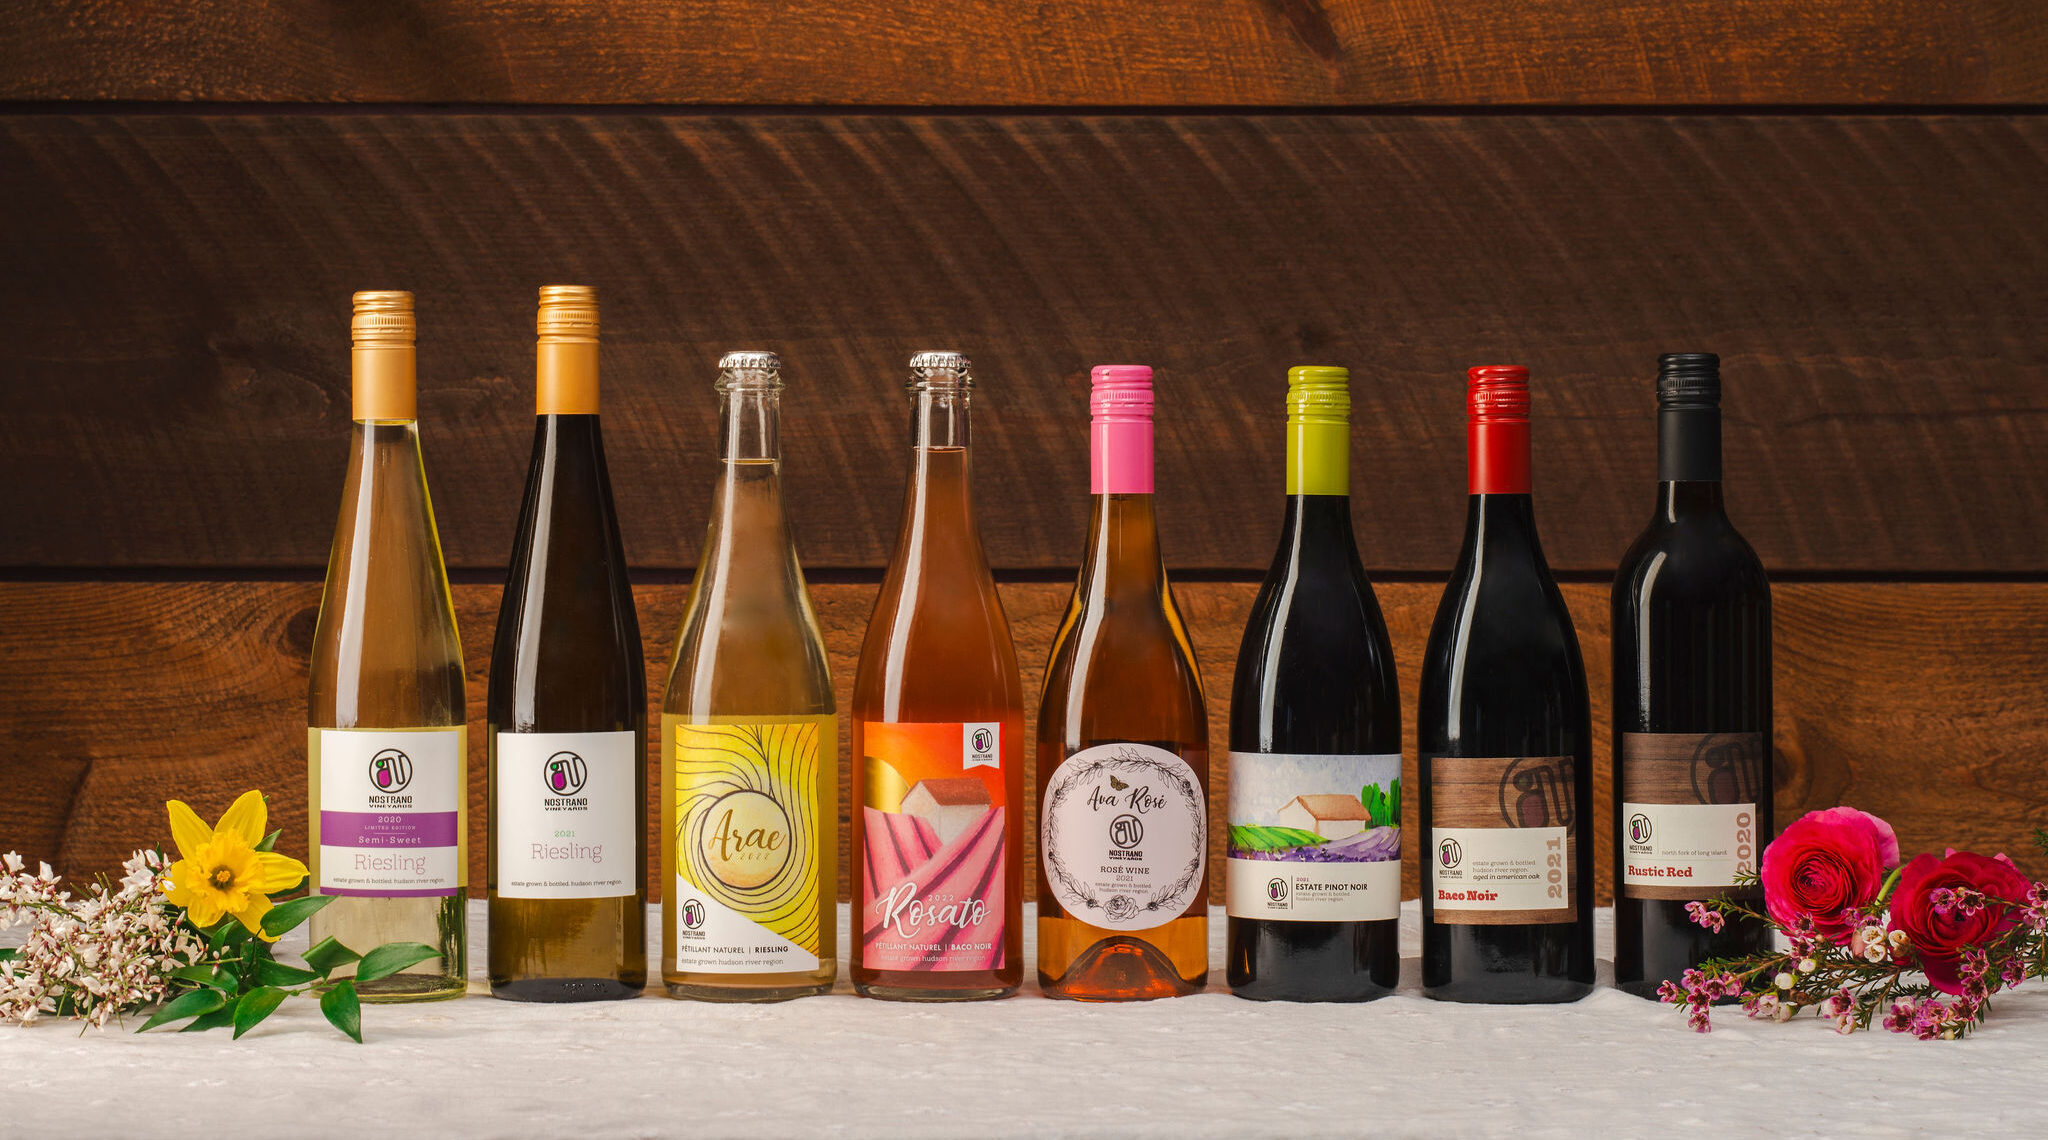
{"x": 1117, "y": 785}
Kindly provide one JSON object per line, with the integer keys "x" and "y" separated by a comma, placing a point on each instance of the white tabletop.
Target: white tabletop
{"x": 1207, "y": 1065}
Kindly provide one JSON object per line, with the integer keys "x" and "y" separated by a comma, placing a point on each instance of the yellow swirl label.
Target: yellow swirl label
{"x": 749, "y": 819}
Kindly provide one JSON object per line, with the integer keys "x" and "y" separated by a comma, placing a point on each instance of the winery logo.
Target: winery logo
{"x": 1126, "y": 831}
{"x": 1276, "y": 890}
{"x": 744, "y": 839}
{"x": 1639, "y": 828}
{"x": 1449, "y": 854}
{"x": 1728, "y": 768}
{"x": 565, "y": 773}
{"x": 978, "y": 746}
{"x": 390, "y": 770}
{"x": 1536, "y": 791}
{"x": 693, "y": 915}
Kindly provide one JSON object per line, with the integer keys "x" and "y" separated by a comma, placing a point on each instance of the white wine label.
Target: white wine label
{"x": 1314, "y": 838}
{"x": 1694, "y": 850}
{"x": 564, "y": 818}
{"x": 1689, "y": 817}
{"x": 1499, "y": 869}
{"x": 1124, "y": 832}
{"x": 1503, "y": 839}
{"x": 391, "y": 811}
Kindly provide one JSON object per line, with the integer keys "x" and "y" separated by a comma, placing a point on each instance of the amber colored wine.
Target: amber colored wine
{"x": 567, "y": 711}
{"x": 749, "y": 737}
{"x": 938, "y": 738}
{"x": 1123, "y": 745}
{"x": 387, "y": 748}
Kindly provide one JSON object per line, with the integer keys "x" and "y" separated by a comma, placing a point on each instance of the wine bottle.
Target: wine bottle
{"x": 1123, "y": 744}
{"x": 386, "y": 739}
{"x": 938, "y": 737}
{"x": 749, "y": 737}
{"x": 1504, "y": 741}
{"x": 1313, "y": 878}
{"x": 1692, "y": 702}
{"x": 567, "y": 710}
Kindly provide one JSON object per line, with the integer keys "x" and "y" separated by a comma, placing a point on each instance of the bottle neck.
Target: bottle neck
{"x": 1123, "y": 558}
{"x": 1689, "y": 444}
{"x": 939, "y": 497}
{"x": 749, "y": 425}
{"x": 1499, "y": 525}
{"x": 565, "y": 378}
{"x": 383, "y": 383}
{"x": 938, "y": 418}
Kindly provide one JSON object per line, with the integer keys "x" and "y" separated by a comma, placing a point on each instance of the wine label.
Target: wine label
{"x": 1124, "y": 832}
{"x": 1503, "y": 837}
{"x": 934, "y": 841}
{"x": 392, "y": 811}
{"x": 563, "y": 819}
{"x": 1314, "y": 838}
{"x": 752, "y": 821}
{"x": 1689, "y": 812}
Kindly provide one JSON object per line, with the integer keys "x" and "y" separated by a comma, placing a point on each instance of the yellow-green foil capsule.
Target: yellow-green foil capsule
{"x": 1318, "y": 430}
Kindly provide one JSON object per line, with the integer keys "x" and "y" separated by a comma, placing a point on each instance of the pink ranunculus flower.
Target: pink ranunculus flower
{"x": 1937, "y": 935}
{"x": 1828, "y": 866}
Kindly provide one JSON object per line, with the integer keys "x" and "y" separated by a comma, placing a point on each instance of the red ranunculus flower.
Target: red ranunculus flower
{"x": 1828, "y": 865}
{"x": 1938, "y": 934}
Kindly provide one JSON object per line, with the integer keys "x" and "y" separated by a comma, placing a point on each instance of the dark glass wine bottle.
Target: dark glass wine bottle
{"x": 567, "y": 710}
{"x": 1504, "y": 738}
{"x": 1313, "y": 878}
{"x": 1692, "y": 701}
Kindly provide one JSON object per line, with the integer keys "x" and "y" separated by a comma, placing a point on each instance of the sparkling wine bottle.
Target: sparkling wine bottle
{"x": 1692, "y": 702}
{"x": 567, "y": 711}
{"x": 386, "y": 739}
{"x": 1504, "y": 739}
{"x": 749, "y": 737}
{"x": 1123, "y": 745}
{"x": 938, "y": 737}
{"x": 1313, "y": 878}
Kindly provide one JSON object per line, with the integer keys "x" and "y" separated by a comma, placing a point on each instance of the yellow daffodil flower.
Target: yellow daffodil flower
{"x": 221, "y": 872}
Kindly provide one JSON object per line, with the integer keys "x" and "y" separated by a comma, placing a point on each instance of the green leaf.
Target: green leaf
{"x": 203, "y": 975}
{"x": 343, "y": 1010}
{"x": 327, "y": 956}
{"x": 270, "y": 841}
{"x": 272, "y": 972}
{"x": 392, "y": 957}
{"x": 256, "y": 1005}
{"x": 7, "y": 953}
{"x": 190, "y": 1004}
{"x": 218, "y": 1019}
{"x": 1258, "y": 837}
{"x": 228, "y": 934}
{"x": 287, "y": 916}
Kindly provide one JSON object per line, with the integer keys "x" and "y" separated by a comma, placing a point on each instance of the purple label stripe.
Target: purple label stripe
{"x": 388, "y": 829}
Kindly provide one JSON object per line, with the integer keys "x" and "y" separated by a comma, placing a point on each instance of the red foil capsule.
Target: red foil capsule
{"x": 1497, "y": 430}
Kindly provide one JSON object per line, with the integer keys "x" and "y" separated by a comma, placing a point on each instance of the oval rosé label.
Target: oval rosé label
{"x": 1124, "y": 832}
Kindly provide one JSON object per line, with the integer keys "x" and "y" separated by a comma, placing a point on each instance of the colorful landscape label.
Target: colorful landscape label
{"x": 391, "y": 811}
{"x": 750, "y": 825}
{"x": 931, "y": 876}
{"x": 1314, "y": 838}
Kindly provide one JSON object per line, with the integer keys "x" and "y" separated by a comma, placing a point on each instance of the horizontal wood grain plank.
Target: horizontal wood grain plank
{"x": 176, "y": 306}
{"x": 995, "y": 52}
{"x": 1916, "y": 701}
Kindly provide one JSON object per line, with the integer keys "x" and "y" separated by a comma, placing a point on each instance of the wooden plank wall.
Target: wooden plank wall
{"x": 1843, "y": 199}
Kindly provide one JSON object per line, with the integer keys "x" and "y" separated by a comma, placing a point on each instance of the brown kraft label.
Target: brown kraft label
{"x": 1503, "y": 836}
{"x": 1689, "y": 821}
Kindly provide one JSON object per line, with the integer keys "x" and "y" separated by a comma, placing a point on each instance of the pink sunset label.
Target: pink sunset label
{"x": 933, "y": 846}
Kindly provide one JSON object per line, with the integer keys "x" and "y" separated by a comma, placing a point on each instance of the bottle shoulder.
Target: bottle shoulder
{"x": 1690, "y": 559}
